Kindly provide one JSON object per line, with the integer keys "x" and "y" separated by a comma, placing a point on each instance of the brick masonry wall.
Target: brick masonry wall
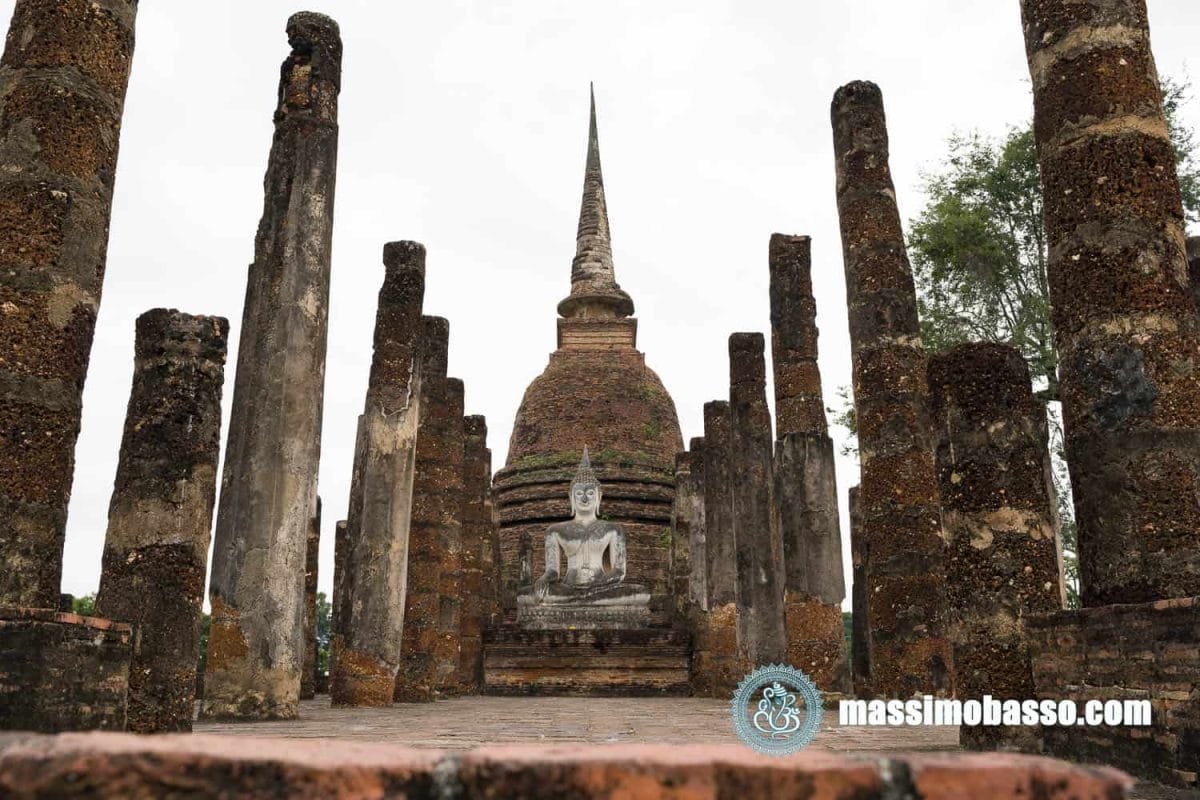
{"x": 1147, "y": 651}
{"x": 62, "y": 672}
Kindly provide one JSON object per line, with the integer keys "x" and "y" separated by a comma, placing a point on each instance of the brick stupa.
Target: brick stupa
{"x": 596, "y": 391}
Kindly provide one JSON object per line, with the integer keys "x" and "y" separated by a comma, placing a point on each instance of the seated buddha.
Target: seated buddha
{"x": 594, "y": 550}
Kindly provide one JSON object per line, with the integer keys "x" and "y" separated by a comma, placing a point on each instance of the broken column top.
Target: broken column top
{"x": 162, "y": 332}
{"x": 799, "y": 404}
{"x": 311, "y": 76}
{"x": 475, "y": 425}
{"x": 397, "y": 325}
{"x": 747, "y": 364}
{"x": 435, "y": 346}
{"x": 980, "y": 379}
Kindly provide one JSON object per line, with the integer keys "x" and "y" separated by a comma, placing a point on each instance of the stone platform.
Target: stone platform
{"x": 464, "y": 723}
{"x": 644, "y": 662}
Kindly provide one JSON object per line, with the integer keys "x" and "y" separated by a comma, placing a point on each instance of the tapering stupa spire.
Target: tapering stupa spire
{"x": 594, "y": 289}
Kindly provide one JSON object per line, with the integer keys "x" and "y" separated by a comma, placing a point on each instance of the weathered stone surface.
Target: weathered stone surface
{"x": 697, "y": 546}
{"x": 717, "y": 664}
{"x": 417, "y": 678}
{"x": 1147, "y": 651}
{"x": 799, "y": 405}
{"x": 1000, "y": 518}
{"x": 1193, "y": 258}
{"x": 62, "y": 91}
{"x": 720, "y": 551}
{"x": 450, "y": 680}
{"x": 762, "y": 635}
{"x": 478, "y": 567}
{"x": 160, "y": 517}
{"x": 62, "y": 672}
{"x": 337, "y": 610}
{"x": 805, "y": 478}
{"x": 898, "y": 495}
{"x": 687, "y": 531}
{"x": 256, "y": 648}
{"x": 1123, "y": 309}
{"x": 860, "y": 628}
{"x": 374, "y": 578}
{"x": 586, "y": 662}
{"x": 596, "y": 391}
{"x": 119, "y": 764}
{"x": 312, "y": 552}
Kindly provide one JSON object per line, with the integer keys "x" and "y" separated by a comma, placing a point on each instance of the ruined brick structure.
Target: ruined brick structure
{"x": 62, "y": 672}
{"x": 1145, "y": 651}
{"x": 477, "y": 560}
{"x": 312, "y": 552}
{"x": 256, "y": 648}
{"x": 999, "y": 512}
{"x": 62, "y": 91}
{"x": 860, "y": 629}
{"x": 898, "y": 495}
{"x": 687, "y": 530}
{"x": 447, "y": 653}
{"x": 373, "y": 575}
{"x": 762, "y": 636}
{"x": 596, "y": 391}
{"x": 337, "y": 602}
{"x": 434, "y": 506}
{"x": 805, "y": 478}
{"x": 160, "y": 517}
{"x": 1127, "y": 333}
{"x": 719, "y": 552}
{"x": 1113, "y": 208}
{"x": 1193, "y": 258}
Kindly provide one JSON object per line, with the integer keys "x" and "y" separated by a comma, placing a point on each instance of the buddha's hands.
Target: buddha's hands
{"x": 541, "y": 587}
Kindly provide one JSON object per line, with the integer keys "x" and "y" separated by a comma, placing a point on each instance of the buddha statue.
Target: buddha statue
{"x": 594, "y": 550}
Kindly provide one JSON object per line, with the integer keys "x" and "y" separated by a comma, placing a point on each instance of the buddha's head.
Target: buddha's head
{"x": 585, "y": 489}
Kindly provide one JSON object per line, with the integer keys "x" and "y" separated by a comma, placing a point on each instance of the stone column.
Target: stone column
{"x": 1124, "y": 315}
{"x": 1193, "y": 259}
{"x": 860, "y": 627}
{"x": 898, "y": 494}
{"x": 375, "y": 561}
{"x": 312, "y": 552}
{"x": 416, "y": 680}
{"x": 448, "y": 653}
{"x": 719, "y": 549}
{"x": 269, "y": 485}
{"x": 337, "y": 603}
{"x": 760, "y": 580}
{"x": 693, "y": 510}
{"x": 477, "y": 562}
{"x": 62, "y": 91}
{"x": 998, "y": 509}
{"x": 156, "y": 548}
{"x": 682, "y": 514}
{"x": 805, "y": 480}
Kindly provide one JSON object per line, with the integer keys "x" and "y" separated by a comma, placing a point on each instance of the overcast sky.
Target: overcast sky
{"x": 463, "y": 126}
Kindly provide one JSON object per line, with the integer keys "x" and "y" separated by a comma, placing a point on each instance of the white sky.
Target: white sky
{"x": 463, "y": 126}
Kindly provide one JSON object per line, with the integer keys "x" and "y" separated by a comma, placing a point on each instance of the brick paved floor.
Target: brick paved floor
{"x": 470, "y": 721}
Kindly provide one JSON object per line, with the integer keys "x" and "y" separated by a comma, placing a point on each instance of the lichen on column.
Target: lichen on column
{"x": 256, "y": 645}
{"x": 62, "y": 92}
{"x": 160, "y": 517}
{"x": 898, "y": 493}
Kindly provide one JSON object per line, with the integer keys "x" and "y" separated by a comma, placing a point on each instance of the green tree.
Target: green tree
{"x": 324, "y": 633}
{"x": 84, "y": 606}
